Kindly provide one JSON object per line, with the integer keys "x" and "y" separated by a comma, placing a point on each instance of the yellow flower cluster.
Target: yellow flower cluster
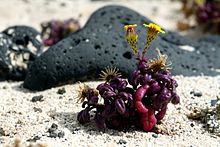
{"x": 153, "y": 30}
{"x": 131, "y": 35}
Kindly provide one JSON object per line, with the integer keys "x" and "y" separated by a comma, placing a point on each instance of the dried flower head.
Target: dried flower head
{"x": 109, "y": 73}
{"x": 83, "y": 90}
{"x": 159, "y": 63}
{"x": 153, "y": 30}
{"x": 131, "y": 37}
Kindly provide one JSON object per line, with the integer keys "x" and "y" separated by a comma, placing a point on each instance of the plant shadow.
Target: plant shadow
{"x": 69, "y": 120}
{"x": 19, "y": 87}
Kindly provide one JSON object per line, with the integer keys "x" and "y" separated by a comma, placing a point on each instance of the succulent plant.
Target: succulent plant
{"x": 206, "y": 12}
{"x": 55, "y": 30}
{"x": 141, "y": 100}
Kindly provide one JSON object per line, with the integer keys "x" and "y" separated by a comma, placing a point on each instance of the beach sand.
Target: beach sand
{"x": 23, "y": 119}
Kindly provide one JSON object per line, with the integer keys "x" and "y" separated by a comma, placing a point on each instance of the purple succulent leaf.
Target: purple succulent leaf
{"x": 108, "y": 94}
{"x": 102, "y": 88}
{"x": 145, "y": 79}
{"x": 156, "y": 102}
{"x": 154, "y": 87}
{"x": 129, "y": 90}
{"x": 93, "y": 100}
{"x": 172, "y": 85}
{"x": 84, "y": 104}
{"x": 134, "y": 78}
{"x": 125, "y": 96}
{"x": 160, "y": 115}
{"x": 164, "y": 78}
{"x": 175, "y": 99}
{"x": 83, "y": 116}
{"x": 118, "y": 83}
{"x": 165, "y": 95}
{"x": 142, "y": 66}
{"x": 120, "y": 106}
{"x": 100, "y": 121}
{"x": 163, "y": 98}
{"x": 108, "y": 111}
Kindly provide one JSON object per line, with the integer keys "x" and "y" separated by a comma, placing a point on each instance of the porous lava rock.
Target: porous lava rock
{"x": 19, "y": 45}
{"x": 101, "y": 43}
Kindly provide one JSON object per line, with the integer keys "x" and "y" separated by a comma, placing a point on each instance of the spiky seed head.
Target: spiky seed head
{"x": 83, "y": 89}
{"x": 109, "y": 73}
{"x": 159, "y": 63}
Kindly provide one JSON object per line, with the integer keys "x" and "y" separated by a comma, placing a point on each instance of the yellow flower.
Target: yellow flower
{"x": 153, "y": 30}
{"x": 131, "y": 37}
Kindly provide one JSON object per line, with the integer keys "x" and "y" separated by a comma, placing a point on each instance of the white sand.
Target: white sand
{"x": 19, "y": 120}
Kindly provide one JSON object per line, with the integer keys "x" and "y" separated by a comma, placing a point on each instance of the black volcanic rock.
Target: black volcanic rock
{"x": 18, "y": 46}
{"x": 101, "y": 43}
{"x": 5, "y": 42}
{"x": 25, "y": 38}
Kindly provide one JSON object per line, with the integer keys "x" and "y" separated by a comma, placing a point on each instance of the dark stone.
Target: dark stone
{"x": 37, "y": 98}
{"x": 101, "y": 43}
{"x": 37, "y": 109}
{"x": 5, "y": 64}
{"x": 54, "y": 127}
{"x": 2, "y": 132}
{"x": 192, "y": 124}
{"x": 34, "y": 139}
{"x": 19, "y": 46}
{"x": 61, "y": 134}
{"x": 61, "y": 91}
{"x": 214, "y": 102}
{"x": 122, "y": 141}
{"x": 155, "y": 135}
{"x": 196, "y": 93}
{"x": 54, "y": 132}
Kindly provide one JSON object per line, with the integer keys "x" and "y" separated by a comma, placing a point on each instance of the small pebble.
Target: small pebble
{"x": 37, "y": 109}
{"x": 5, "y": 87}
{"x": 37, "y": 98}
{"x": 213, "y": 102}
{"x": 53, "y": 128}
{"x": 155, "y": 135}
{"x": 196, "y": 93}
{"x": 62, "y": 4}
{"x": 53, "y": 135}
{"x": 2, "y": 132}
{"x": 34, "y": 139}
{"x": 122, "y": 141}
{"x": 54, "y": 132}
{"x": 61, "y": 91}
{"x": 61, "y": 134}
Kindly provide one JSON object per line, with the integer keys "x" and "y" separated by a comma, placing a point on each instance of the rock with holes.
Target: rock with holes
{"x": 101, "y": 43}
{"x": 18, "y": 46}
{"x": 209, "y": 46}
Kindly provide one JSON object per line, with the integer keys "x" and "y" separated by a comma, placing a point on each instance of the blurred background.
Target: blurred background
{"x": 189, "y": 17}
{"x": 34, "y": 12}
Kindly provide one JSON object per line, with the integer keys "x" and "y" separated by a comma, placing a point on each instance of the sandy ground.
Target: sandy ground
{"x": 33, "y": 12}
{"x": 22, "y": 118}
